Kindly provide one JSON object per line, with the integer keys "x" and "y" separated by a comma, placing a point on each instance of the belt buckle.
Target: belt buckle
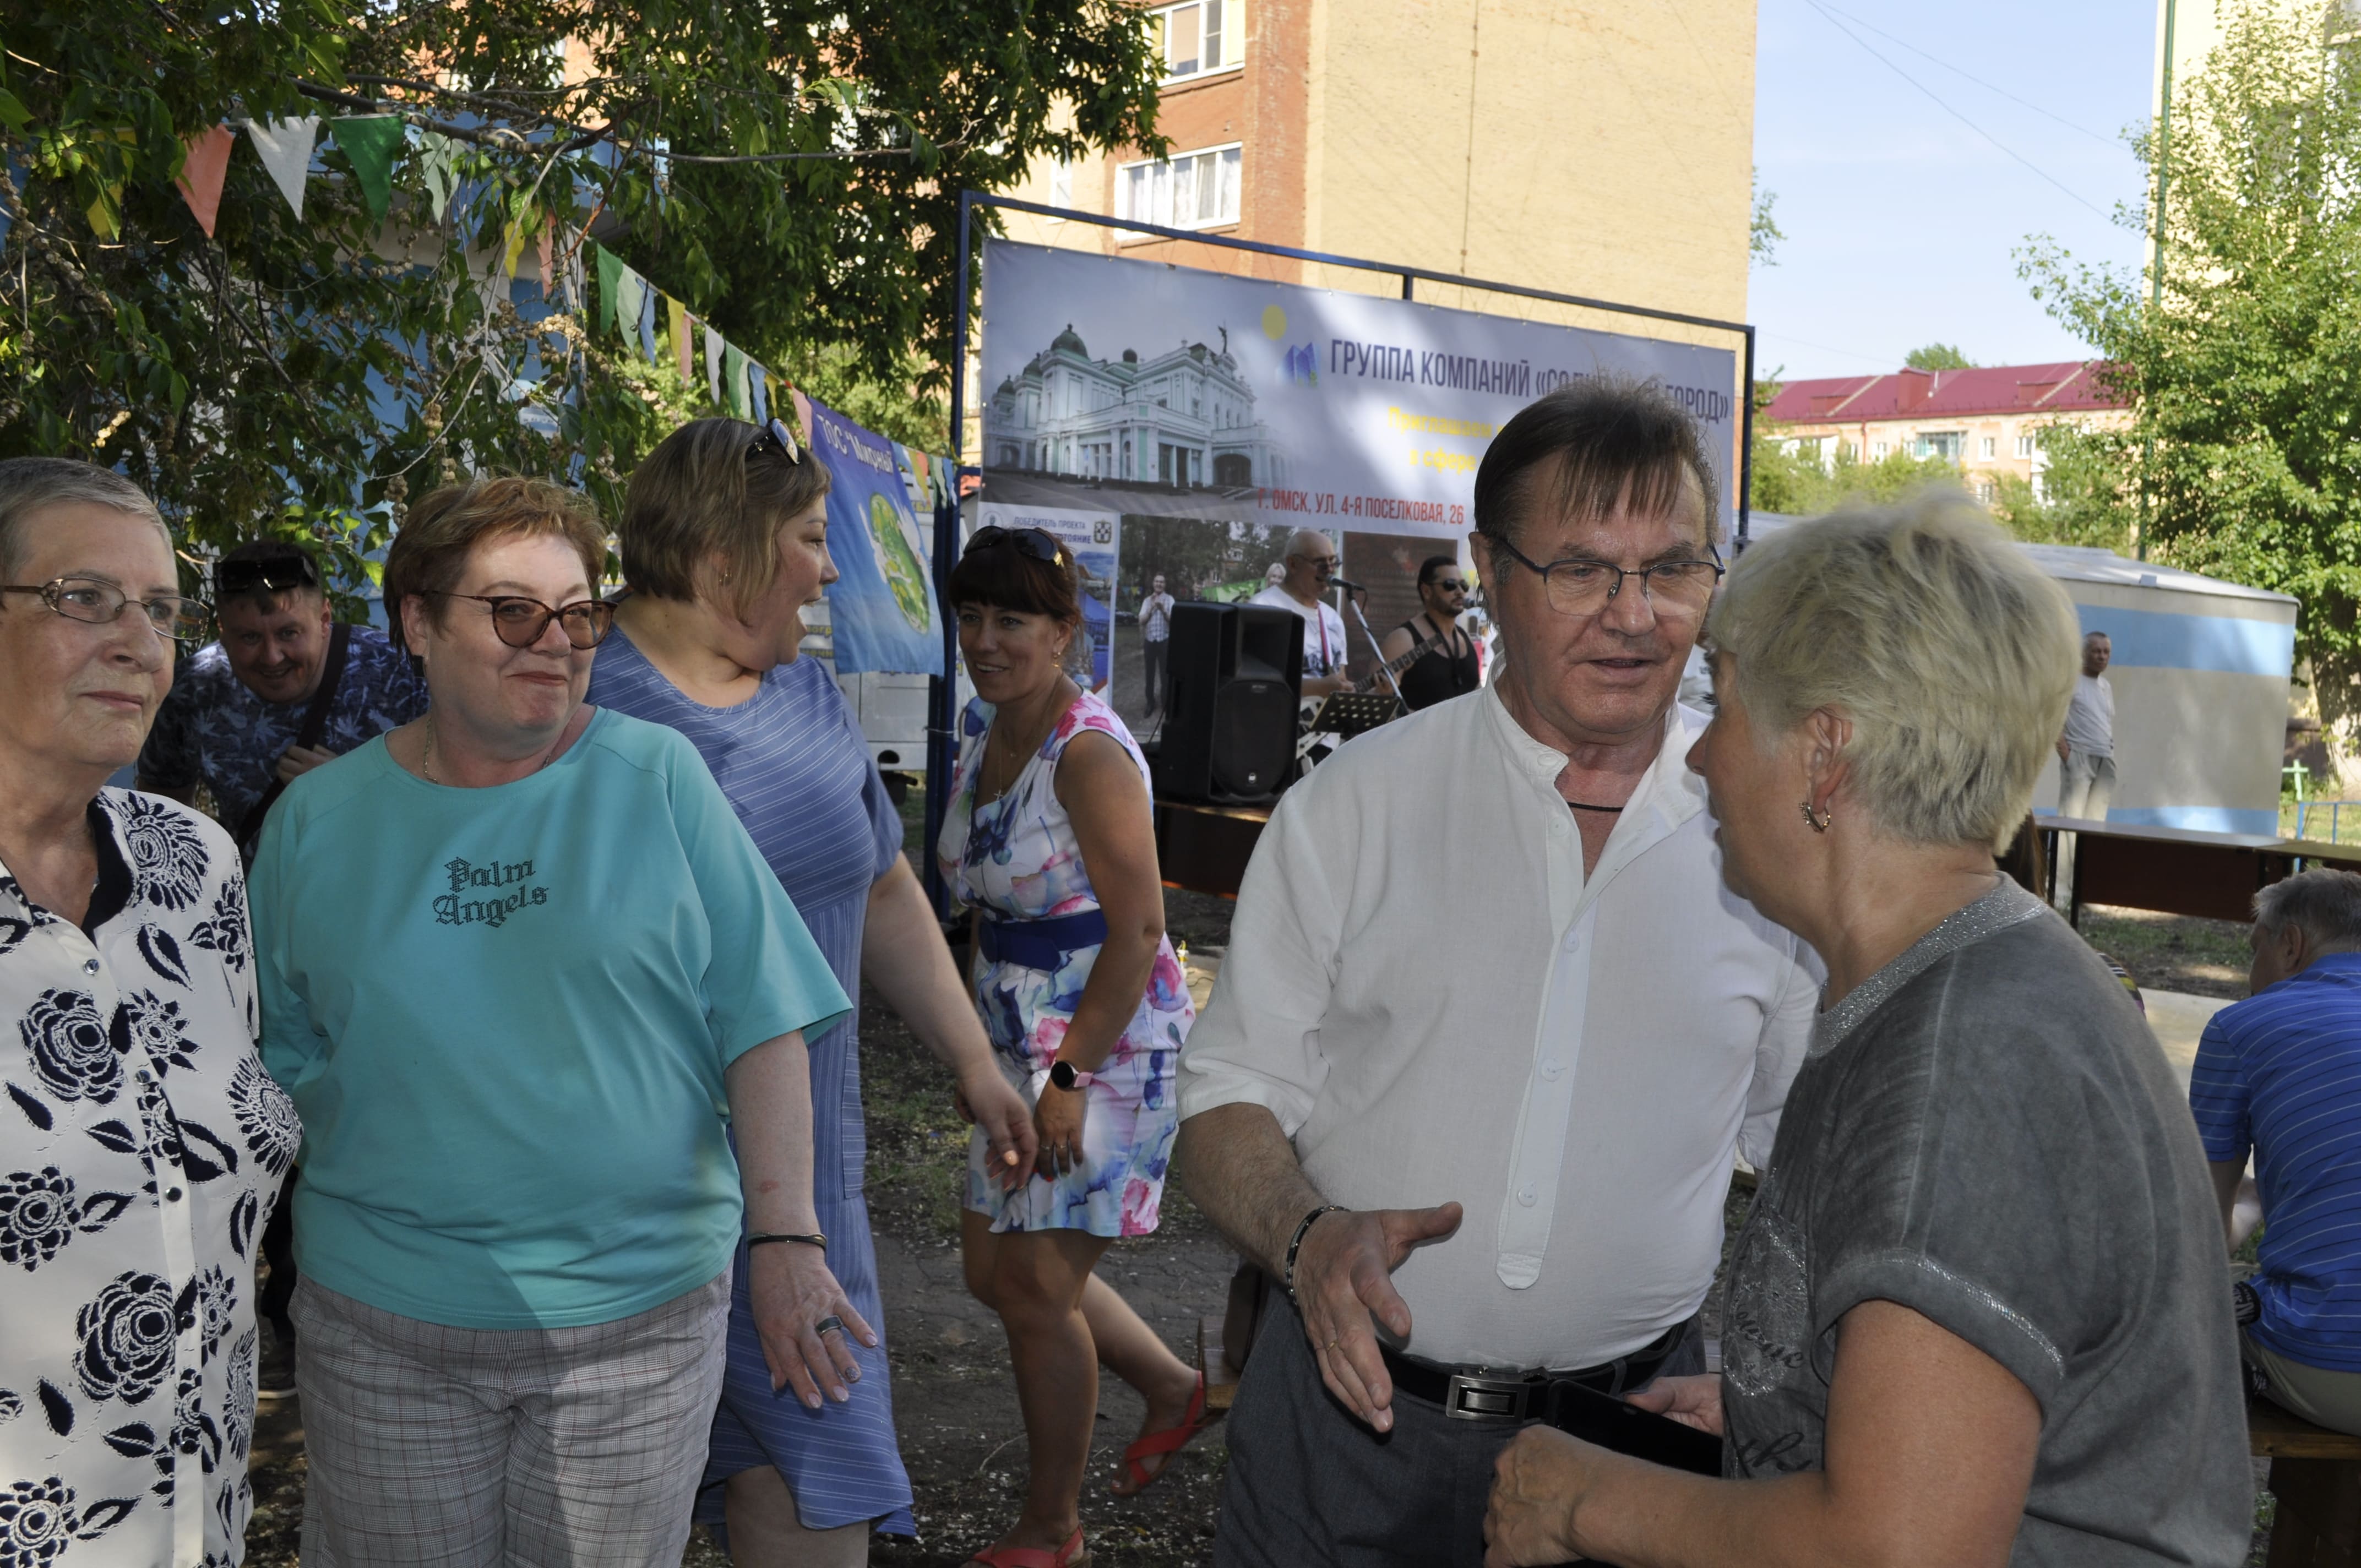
{"x": 1472, "y": 1398}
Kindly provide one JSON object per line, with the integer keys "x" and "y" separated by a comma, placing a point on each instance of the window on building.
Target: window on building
{"x": 1943, "y": 444}
{"x": 2025, "y": 444}
{"x": 1984, "y": 491}
{"x": 1061, "y": 186}
{"x": 1880, "y": 450}
{"x": 1991, "y": 444}
{"x": 1198, "y": 36}
{"x": 1192, "y": 191}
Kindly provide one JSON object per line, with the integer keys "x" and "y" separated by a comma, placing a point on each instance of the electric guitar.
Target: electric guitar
{"x": 1376, "y": 680}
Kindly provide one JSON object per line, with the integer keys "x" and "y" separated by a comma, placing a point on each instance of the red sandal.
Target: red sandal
{"x": 1069, "y": 1555}
{"x": 1171, "y": 1440}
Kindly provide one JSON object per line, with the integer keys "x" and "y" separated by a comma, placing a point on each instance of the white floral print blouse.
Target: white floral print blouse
{"x": 141, "y": 1148}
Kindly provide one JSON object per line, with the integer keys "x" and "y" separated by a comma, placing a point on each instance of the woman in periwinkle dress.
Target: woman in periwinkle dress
{"x": 724, "y": 539}
{"x": 1050, "y": 840}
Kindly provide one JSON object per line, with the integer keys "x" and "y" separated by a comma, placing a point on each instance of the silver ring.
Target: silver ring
{"x": 830, "y": 1321}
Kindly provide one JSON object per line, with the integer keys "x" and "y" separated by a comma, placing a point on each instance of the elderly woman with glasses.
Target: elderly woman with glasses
{"x": 1977, "y": 1314}
{"x": 1049, "y": 838}
{"x": 141, "y": 1142}
{"x": 724, "y": 541}
{"x": 528, "y": 972}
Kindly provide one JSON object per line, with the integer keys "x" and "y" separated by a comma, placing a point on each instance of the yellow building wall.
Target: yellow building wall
{"x": 1598, "y": 148}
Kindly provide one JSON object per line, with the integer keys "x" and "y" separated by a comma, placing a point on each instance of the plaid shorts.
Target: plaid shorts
{"x": 472, "y": 1447}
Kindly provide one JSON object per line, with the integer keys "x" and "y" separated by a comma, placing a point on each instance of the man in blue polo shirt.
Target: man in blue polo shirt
{"x": 2280, "y": 1073}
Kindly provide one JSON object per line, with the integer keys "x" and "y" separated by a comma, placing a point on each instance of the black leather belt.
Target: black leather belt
{"x": 1491, "y": 1394}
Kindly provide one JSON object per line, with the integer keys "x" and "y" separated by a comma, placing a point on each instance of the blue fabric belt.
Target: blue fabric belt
{"x": 1041, "y": 944}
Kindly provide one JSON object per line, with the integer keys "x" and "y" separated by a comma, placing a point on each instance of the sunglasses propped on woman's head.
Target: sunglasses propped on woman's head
{"x": 775, "y": 434}
{"x": 1038, "y": 543}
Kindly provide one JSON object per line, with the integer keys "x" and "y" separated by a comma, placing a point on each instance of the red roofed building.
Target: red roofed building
{"x": 1987, "y": 420}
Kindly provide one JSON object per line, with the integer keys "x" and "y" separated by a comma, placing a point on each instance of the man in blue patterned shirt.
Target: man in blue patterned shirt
{"x": 2280, "y": 1073}
{"x": 237, "y": 709}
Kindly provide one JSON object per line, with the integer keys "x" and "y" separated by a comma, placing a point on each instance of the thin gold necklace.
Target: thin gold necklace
{"x": 426, "y": 756}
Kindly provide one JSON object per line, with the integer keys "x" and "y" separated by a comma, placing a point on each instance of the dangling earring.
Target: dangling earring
{"x": 1818, "y": 819}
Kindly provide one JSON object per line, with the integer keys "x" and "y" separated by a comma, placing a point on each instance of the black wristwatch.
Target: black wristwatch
{"x": 1067, "y": 1076}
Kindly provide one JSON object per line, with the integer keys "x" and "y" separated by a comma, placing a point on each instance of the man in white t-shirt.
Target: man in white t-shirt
{"x": 2086, "y": 751}
{"x": 1155, "y": 638}
{"x": 1311, "y": 562}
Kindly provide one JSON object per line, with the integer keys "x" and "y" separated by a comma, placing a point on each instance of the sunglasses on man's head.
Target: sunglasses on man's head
{"x": 231, "y": 578}
{"x": 1038, "y": 543}
{"x": 775, "y": 434}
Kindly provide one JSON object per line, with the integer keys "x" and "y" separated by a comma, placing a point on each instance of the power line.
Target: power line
{"x": 1987, "y": 86}
{"x": 1829, "y": 17}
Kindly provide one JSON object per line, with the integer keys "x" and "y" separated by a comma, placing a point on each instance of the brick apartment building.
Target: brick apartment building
{"x": 1581, "y": 146}
{"x": 1988, "y": 419}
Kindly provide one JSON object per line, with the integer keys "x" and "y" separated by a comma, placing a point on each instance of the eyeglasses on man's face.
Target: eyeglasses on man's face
{"x": 519, "y": 622}
{"x": 1580, "y": 585}
{"x": 98, "y": 603}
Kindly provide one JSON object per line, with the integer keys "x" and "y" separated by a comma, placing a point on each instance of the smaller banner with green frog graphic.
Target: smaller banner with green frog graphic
{"x": 882, "y": 607}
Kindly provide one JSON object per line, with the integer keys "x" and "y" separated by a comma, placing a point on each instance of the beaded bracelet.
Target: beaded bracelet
{"x": 1295, "y": 1243}
{"x": 814, "y": 1239}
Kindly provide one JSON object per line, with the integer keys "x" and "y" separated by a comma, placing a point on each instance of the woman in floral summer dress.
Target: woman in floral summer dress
{"x": 1050, "y": 840}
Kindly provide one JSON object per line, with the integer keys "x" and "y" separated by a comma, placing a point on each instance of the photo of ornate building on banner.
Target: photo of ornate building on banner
{"x": 1185, "y": 418}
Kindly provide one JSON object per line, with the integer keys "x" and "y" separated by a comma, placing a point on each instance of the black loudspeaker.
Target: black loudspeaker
{"x": 1231, "y": 676}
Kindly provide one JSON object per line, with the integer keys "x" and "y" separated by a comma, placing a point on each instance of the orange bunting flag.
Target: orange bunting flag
{"x": 202, "y": 172}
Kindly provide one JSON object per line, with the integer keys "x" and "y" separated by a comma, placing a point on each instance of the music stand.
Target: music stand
{"x": 1346, "y": 714}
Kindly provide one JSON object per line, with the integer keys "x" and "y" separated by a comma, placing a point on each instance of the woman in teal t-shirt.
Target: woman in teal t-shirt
{"x": 524, "y": 969}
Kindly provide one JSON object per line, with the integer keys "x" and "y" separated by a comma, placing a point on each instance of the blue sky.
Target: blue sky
{"x": 1902, "y": 221}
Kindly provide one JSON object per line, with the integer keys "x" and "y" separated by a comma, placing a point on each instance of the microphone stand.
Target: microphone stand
{"x": 1382, "y": 668}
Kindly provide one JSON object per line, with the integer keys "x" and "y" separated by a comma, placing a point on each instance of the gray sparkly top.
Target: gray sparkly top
{"x": 1996, "y": 911}
{"x": 1985, "y": 1132}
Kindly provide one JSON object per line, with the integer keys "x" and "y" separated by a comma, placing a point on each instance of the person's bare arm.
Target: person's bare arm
{"x": 1237, "y": 1164}
{"x": 904, "y": 955}
{"x": 1395, "y": 644}
{"x": 1324, "y": 685}
{"x": 2228, "y": 1175}
{"x": 1930, "y": 1451}
{"x": 792, "y": 1287}
{"x": 1114, "y": 827}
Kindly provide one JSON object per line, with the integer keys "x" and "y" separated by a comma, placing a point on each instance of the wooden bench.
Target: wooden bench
{"x": 2316, "y": 1476}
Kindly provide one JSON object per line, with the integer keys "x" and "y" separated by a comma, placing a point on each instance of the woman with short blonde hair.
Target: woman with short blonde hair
{"x": 526, "y": 970}
{"x": 1977, "y": 1314}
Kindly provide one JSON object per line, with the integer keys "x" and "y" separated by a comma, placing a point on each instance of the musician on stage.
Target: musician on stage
{"x": 1311, "y": 562}
{"x": 1449, "y": 667}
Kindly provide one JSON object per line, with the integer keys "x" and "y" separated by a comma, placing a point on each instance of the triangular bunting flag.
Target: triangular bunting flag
{"x": 202, "y": 172}
{"x": 713, "y": 358}
{"x": 680, "y": 349}
{"x": 610, "y": 285}
{"x": 438, "y": 165}
{"x": 644, "y": 323}
{"x": 285, "y": 148}
{"x": 758, "y": 393}
{"x": 803, "y": 415}
{"x": 733, "y": 380}
{"x": 369, "y": 142}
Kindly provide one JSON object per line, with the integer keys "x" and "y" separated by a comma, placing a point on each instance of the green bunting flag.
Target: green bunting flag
{"x": 610, "y": 285}
{"x": 369, "y": 142}
{"x": 733, "y": 379}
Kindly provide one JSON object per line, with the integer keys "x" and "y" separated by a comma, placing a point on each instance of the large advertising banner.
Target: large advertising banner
{"x": 1091, "y": 535}
{"x": 1288, "y": 406}
{"x": 883, "y": 604}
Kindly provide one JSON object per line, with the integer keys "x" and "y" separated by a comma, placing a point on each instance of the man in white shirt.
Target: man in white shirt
{"x": 1155, "y": 639}
{"x": 2086, "y": 751}
{"x": 1487, "y": 995}
{"x": 1310, "y": 561}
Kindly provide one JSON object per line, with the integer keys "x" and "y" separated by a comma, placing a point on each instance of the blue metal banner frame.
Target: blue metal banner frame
{"x": 941, "y": 716}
